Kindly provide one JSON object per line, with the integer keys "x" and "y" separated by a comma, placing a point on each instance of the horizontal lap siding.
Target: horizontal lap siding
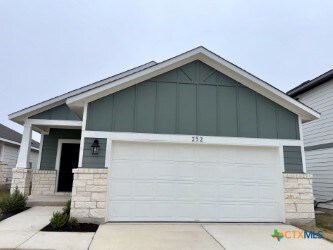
{"x": 320, "y": 99}
{"x": 320, "y": 164}
{"x": 195, "y": 100}
{"x": 10, "y": 154}
{"x": 50, "y": 146}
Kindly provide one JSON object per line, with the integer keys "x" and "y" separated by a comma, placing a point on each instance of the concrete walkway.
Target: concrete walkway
{"x": 19, "y": 228}
{"x": 22, "y": 231}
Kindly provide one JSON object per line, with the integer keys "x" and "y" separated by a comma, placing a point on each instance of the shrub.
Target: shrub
{"x": 1, "y": 214}
{"x": 58, "y": 220}
{"x": 72, "y": 222}
{"x": 14, "y": 203}
{"x": 67, "y": 208}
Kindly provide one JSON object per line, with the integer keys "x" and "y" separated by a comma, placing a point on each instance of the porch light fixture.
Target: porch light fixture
{"x": 94, "y": 147}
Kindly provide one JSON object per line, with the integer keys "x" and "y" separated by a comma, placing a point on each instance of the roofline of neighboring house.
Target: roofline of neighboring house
{"x": 77, "y": 99}
{"x": 61, "y": 99}
{"x": 15, "y": 143}
{"x": 310, "y": 84}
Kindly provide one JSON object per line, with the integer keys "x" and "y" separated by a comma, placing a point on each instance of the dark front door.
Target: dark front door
{"x": 69, "y": 159}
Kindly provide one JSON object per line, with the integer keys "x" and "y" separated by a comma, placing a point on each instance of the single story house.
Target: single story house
{"x": 318, "y": 135}
{"x": 192, "y": 138}
{"x": 9, "y": 147}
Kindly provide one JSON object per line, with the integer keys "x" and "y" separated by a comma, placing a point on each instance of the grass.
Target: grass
{"x": 324, "y": 222}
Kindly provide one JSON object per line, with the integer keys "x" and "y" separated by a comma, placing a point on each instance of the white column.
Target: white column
{"x": 24, "y": 153}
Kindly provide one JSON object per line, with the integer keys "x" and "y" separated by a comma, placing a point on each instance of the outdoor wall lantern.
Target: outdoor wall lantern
{"x": 94, "y": 147}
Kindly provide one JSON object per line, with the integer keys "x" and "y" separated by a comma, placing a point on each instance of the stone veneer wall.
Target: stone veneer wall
{"x": 43, "y": 182}
{"x": 3, "y": 175}
{"x": 89, "y": 195}
{"x": 299, "y": 201}
{"x": 22, "y": 178}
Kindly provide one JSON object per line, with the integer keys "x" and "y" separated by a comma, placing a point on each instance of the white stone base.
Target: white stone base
{"x": 89, "y": 194}
{"x": 3, "y": 176}
{"x": 299, "y": 201}
{"x": 21, "y": 179}
{"x": 44, "y": 182}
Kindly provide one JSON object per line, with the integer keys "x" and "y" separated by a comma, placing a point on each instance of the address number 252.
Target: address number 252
{"x": 197, "y": 139}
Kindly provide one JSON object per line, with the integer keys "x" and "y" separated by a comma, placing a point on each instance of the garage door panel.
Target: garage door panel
{"x": 206, "y": 191}
{"x": 206, "y": 171}
{"x": 227, "y": 212}
{"x": 120, "y": 189}
{"x": 143, "y": 190}
{"x": 226, "y": 173}
{"x": 228, "y": 192}
{"x": 185, "y": 191}
{"x": 206, "y": 211}
{"x": 185, "y": 171}
{"x": 183, "y": 182}
{"x": 166, "y": 170}
{"x": 266, "y": 211}
{"x": 267, "y": 193}
{"x": 121, "y": 170}
{"x": 248, "y": 193}
{"x": 144, "y": 170}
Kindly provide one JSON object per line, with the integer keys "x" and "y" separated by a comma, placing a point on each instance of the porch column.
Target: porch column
{"x": 24, "y": 153}
{"x": 22, "y": 175}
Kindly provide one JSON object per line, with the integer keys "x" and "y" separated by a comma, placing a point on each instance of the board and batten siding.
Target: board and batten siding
{"x": 292, "y": 159}
{"x": 61, "y": 112}
{"x": 94, "y": 161}
{"x": 50, "y": 145}
{"x": 194, "y": 100}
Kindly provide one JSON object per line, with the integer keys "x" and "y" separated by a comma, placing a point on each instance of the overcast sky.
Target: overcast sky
{"x": 50, "y": 47}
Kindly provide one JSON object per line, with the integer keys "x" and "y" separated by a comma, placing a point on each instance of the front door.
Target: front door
{"x": 69, "y": 159}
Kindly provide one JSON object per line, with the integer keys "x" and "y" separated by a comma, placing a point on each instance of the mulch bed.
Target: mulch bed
{"x": 81, "y": 227}
{"x": 6, "y": 216}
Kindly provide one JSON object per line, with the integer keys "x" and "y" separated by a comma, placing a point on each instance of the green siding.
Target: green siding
{"x": 94, "y": 161}
{"x": 194, "y": 99}
{"x": 61, "y": 112}
{"x": 50, "y": 146}
{"x": 247, "y": 113}
{"x": 292, "y": 159}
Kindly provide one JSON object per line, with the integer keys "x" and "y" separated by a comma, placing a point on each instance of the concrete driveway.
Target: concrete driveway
{"x": 199, "y": 236}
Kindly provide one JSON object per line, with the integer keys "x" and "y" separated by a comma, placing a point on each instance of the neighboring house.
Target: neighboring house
{"x": 193, "y": 138}
{"x": 318, "y": 134}
{"x": 9, "y": 147}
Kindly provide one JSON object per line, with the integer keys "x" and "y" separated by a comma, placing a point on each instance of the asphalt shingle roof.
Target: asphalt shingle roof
{"x": 12, "y": 135}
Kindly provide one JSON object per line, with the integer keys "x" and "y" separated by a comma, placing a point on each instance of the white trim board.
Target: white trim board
{"x": 40, "y": 151}
{"x": 212, "y": 140}
{"x": 58, "y": 157}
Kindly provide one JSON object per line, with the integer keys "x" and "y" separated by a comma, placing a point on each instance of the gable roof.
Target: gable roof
{"x": 77, "y": 99}
{"x": 12, "y": 136}
{"x": 310, "y": 84}
{"x": 22, "y": 114}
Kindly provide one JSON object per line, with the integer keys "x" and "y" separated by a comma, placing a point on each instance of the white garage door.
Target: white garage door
{"x": 179, "y": 182}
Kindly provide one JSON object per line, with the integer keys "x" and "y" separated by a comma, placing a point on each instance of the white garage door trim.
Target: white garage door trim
{"x": 278, "y": 192}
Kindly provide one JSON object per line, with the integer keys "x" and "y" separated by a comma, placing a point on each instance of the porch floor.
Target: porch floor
{"x": 48, "y": 200}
